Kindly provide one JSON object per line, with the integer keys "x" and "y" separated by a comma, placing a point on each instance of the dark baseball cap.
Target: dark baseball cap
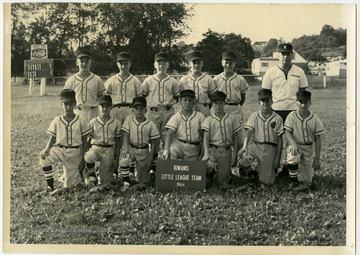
{"x": 285, "y": 47}
{"x": 195, "y": 55}
{"x": 264, "y": 93}
{"x": 228, "y": 55}
{"x": 218, "y": 96}
{"x": 123, "y": 56}
{"x": 303, "y": 95}
{"x": 83, "y": 53}
{"x": 161, "y": 56}
{"x": 67, "y": 95}
{"x": 105, "y": 99}
{"x": 187, "y": 93}
{"x": 138, "y": 101}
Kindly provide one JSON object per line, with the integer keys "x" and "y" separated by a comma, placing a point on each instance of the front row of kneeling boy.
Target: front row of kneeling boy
{"x": 216, "y": 139}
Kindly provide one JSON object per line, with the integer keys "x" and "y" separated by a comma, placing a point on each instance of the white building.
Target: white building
{"x": 260, "y": 65}
{"x": 336, "y": 68}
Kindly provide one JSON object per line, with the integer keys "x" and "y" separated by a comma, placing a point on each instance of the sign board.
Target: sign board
{"x": 38, "y": 51}
{"x": 39, "y": 68}
{"x": 180, "y": 175}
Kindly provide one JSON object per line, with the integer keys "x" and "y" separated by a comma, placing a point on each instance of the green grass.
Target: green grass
{"x": 251, "y": 216}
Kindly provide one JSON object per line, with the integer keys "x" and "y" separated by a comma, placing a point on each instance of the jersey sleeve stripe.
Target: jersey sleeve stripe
{"x": 51, "y": 133}
{"x": 171, "y": 127}
{"x": 243, "y": 91}
{"x": 155, "y": 136}
{"x": 288, "y": 128}
{"x": 319, "y": 132}
{"x": 249, "y": 127}
{"x": 125, "y": 130}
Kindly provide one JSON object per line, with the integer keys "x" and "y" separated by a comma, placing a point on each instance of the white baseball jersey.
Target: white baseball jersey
{"x": 160, "y": 92}
{"x": 87, "y": 90}
{"x": 233, "y": 87}
{"x": 284, "y": 87}
{"x": 68, "y": 133}
{"x": 221, "y": 129}
{"x": 104, "y": 133}
{"x": 186, "y": 128}
{"x": 203, "y": 86}
{"x": 304, "y": 130}
{"x": 123, "y": 91}
{"x": 140, "y": 133}
{"x": 266, "y": 130}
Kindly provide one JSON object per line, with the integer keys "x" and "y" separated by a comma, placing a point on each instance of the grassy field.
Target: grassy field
{"x": 238, "y": 217}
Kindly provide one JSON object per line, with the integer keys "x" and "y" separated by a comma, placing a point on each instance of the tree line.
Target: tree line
{"x": 142, "y": 29}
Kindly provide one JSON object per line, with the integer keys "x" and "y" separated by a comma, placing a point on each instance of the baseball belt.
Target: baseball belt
{"x": 122, "y": 105}
{"x": 232, "y": 104}
{"x": 192, "y": 143}
{"x": 139, "y": 147}
{"x": 104, "y": 145}
{"x": 268, "y": 143}
{"x": 157, "y": 109}
{"x": 84, "y": 107}
{"x": 68, "y": 147}
{"x": 227, "y": 147}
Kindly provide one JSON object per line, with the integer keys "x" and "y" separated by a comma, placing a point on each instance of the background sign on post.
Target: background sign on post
{"x": 38, "y": 51}
{"x": 180, "y": 175}
{"x": 39, "y": 68}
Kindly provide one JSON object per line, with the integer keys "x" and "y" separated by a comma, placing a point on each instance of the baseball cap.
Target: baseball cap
{"x": 229, "y": 55}
{"x": 187, "y": 93}
{"x": 123, "y": 56}
{"x": 67, "y": 95}
{"x": 138, "y": 101}
{"x": 285, "y": 47}
{"x": 83, "y": 53}
{"x": 218, "y": 96}
{"x": 161, "y": 56}
{"x": 195, "y": 55}
{"x": 303, "y": 95}
{"x": 264, "y": 93}
{"x": 105, "y": 99}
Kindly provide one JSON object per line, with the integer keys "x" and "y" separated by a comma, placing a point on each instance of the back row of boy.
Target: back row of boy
{"x": 197, "y": 132}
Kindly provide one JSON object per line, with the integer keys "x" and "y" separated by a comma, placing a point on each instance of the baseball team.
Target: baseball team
{"x": 121, "y": 127}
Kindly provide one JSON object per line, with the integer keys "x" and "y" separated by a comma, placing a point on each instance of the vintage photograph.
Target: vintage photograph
{"x": 180, "y": 128}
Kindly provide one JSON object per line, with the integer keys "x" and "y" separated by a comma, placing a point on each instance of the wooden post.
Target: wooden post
{"x": 31, "y": 85}
{"x": 324, "y": 80}
{"x": 43, "y": 86}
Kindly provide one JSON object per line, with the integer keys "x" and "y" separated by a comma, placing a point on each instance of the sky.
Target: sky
{"x": 261, "y": 22}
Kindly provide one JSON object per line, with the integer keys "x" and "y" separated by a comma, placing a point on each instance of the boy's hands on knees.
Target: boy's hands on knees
{"x": 316, "y": 164}
{"x": 124, "y": 154}
{"x": 205, "y": 157}
{"x": 294, "y": 149}
{"x": 44, "y": 153}
{"x": 165, "y": 154}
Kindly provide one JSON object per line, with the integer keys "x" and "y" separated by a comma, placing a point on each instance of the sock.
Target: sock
{"x": 48, "y": 173}
{"x": 125, "y": 173}
{"x": 293, "y": 172}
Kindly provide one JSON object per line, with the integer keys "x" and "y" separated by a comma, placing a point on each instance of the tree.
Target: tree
{"x": 271, "y": 46}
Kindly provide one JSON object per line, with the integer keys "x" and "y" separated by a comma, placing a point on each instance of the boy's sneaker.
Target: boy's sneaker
{"x": 48, "y": 190}
{"x": 139, "y": 187}
{"x": 301, "y": 187}
{"x": 293, "y": 185}
{"x": 59, "y": 191}
{"x": 125, "y": 187}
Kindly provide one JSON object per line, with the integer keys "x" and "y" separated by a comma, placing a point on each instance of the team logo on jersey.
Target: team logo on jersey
{"x": 273, "y": 124}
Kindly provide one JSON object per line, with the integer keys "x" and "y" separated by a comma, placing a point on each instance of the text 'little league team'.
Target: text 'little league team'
{"x": 133, "y": 123}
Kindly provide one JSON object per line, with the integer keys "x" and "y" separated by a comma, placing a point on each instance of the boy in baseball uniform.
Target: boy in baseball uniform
{"x": 105, "y": 145}
{"x": 201, "y": 83}
{"x": 139, "y": 132}
{"x": 184, "y": 135}
{"x": 265, "y": 127}
{"x": 232, "y": 84}
{"x": 162, "y": 92}
{"x": 303, "y": 128}
{"x": 68, "y": 134}
{"x": 123, "y": 88}
{"x": 222, "y": 141}
{"x": 88, "y": 87}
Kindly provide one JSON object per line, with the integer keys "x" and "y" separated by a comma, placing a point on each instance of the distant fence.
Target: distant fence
{"x": 253, "y": 80}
